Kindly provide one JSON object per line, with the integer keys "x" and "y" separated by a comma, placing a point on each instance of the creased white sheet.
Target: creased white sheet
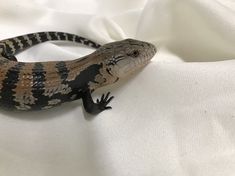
{"x": 175, "y": 117}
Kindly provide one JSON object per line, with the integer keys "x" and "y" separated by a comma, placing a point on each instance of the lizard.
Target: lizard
{"x": 42, "y": 85}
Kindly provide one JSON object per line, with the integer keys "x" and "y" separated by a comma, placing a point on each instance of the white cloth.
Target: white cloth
{"x": 175, "y": 117}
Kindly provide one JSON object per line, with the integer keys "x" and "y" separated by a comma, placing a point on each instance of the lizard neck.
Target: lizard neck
{"x": 91, "y": 70}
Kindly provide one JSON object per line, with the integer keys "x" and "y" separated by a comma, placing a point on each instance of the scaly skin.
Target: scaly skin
{"x": 43, "y": 85}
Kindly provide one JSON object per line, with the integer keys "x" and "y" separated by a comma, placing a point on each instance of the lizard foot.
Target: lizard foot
{"x": 104, "y": 101}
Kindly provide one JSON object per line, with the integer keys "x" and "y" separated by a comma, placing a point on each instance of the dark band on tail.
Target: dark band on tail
{"x": 17, "y": 44}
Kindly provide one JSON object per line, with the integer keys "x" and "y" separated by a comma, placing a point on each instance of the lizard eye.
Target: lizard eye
{"x": 135, "y": 53}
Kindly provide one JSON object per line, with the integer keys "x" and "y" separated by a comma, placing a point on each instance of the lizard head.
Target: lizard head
{"x": 124, "y": 57}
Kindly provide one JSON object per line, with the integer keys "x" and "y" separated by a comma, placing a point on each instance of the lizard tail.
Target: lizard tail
{"x": 10, "y": 47}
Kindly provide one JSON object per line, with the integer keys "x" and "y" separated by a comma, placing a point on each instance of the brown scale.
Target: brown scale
{"x": 78, "y": 65}
{"x": 51, "y": 76}
{"x": 23, "y": 91}
{"x": 72, "y": 70}
{"x": 4, "y": 69}
{"x": 53, "y": 83}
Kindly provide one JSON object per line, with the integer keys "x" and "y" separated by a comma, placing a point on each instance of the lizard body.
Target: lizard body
{"x": 43, "y": 85}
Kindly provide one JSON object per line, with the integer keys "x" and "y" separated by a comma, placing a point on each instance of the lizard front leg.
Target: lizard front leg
{"x": 99, "y": 106}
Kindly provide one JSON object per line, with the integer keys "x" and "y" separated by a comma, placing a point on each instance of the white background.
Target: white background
{"x": 175, "y": 117}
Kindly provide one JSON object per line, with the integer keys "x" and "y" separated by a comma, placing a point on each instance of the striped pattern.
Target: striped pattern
{"x": 43, "y": 85}
{"x": 15, "y": 45}
{"x": 9, "y": 84}
{"x": 38, "y": 86}
{"x": 62, "y": 70}
{"x": 23, "y": 91}
{"x": 35, "y": 86}
{"x": 6, "y": 66}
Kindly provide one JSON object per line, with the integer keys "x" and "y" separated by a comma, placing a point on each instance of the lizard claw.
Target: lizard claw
{"x": 104, "y": 101}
